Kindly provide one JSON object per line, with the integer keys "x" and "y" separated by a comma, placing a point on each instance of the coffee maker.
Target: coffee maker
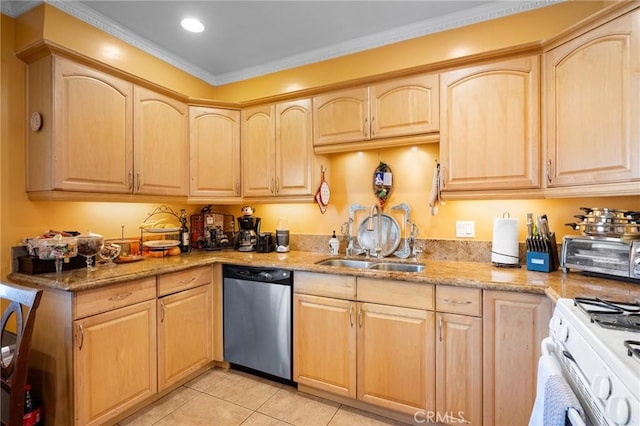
{"x": 249, "y": 230}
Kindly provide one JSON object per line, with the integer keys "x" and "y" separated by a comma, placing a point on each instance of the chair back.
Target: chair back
{"x": 22, "y": 305}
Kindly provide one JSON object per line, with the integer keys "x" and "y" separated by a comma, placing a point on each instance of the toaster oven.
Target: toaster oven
{"x": 608, "y": 256}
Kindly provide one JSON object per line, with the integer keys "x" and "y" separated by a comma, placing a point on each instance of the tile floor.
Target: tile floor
{"x": 231, "y": 398}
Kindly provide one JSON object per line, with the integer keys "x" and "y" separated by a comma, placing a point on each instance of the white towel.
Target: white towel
{"x": 547, "y": 366}
{"x": 436, "y": 198}
{"x": 558, "y": 400}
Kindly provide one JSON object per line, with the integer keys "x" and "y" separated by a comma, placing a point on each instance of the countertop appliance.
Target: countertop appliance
{"x": 249, "y": 230}
{"x": 597, "y": 344}
{"x": 257, "y": 319}
{"x": 617, "y": 257}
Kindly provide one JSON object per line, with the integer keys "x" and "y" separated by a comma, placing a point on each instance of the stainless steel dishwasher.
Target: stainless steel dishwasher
{"x": 257, "y": 319}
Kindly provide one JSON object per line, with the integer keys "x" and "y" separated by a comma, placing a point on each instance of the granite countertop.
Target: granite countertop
{"x": 468, "y": 274}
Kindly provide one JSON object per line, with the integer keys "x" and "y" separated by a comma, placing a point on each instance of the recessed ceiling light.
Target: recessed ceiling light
{"x": 193, "y": 25}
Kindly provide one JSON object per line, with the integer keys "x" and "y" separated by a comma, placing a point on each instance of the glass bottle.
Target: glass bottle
{"x": 185, "y": 247}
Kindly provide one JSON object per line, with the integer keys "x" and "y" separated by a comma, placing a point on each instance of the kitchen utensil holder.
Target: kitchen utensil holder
{"x": 542, "y": 255}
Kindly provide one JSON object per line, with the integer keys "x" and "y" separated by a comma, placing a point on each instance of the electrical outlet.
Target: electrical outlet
{"x": 465, "y": 229}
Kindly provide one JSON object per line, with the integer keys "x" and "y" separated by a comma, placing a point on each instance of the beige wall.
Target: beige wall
{"x": 350, "y": 174}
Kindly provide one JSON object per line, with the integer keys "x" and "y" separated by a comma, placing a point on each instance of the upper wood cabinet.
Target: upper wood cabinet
{"x": 592, "y": 93}
{"x": 101, "y": 134}
{"x": 489, "y": 126}
{"x": 161, "y": 144}
{"x": 400, "y": 107}
{"x": 86, "y": 139}
{"x": 277, "y": 151}
{"x": 215, "y": 153}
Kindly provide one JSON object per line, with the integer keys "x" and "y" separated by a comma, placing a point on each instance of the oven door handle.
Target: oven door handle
{"x": 547, "y": 347}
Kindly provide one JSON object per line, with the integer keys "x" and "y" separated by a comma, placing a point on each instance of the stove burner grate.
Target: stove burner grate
{"x": 633, "y": 348}
{"x": 609, "y": 314}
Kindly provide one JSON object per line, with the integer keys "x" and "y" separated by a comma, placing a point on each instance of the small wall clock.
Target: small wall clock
{"x": 36, "y": 121}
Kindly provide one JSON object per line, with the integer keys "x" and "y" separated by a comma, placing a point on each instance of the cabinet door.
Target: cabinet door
{"x": 185, "y": 337}
{"x": 514, "y": 325}
{"x": 294, "y": 148}
{"x": 459, "y": 368}
{"x": 92, "y": 132}
{"x": 341, "y": 116}
{"x": 592, "y": 84}
{"x": 324, "y": 344}
{"x": 114, "y": 362}
{"x": 258, "y": 151}
{"x": 405, "y": 106}
{"x": 396, "y": 358}
{"x": 161, "y": 154}
{"x": 215, "y": 152}
{"x": 489, "y": 126}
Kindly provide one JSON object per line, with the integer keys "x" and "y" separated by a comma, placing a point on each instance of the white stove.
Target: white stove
{"x": 593, "y": 342}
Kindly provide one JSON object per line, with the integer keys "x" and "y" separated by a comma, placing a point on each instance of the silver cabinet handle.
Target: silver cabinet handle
{"x": 440, "y": 327}
{"x": 271, "y": 186}
{"x": 81, "y": 330}
{"x": 549, "y": 170}
{"x": 138, "y": 183}
{"x": 457, "y": 302}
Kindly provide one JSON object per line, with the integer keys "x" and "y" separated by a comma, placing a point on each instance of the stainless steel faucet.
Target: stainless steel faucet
{"x": 370, "y": 227}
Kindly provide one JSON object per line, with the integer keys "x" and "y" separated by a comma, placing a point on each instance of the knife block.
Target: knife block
{"x": 544, "y": 261}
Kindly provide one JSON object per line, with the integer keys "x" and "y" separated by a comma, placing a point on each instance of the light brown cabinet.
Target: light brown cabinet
{"x": 377, "y": 350}
{"x": 514, "y": 324}
{"x": 277, "y": 151}
{"x": 101, "y": 134}
{"x": 490, "y": 126}
{"x": 161, "y": 144}
{"x": 592, "y": 89}
{"x": 215, "y": 153}
{"x": 114, "y": 351}
{"x": 325, "y": 344}
{"x": 459, "y": 354}
{"x": 185, "y": 338}
{"x": 394, "y": 108}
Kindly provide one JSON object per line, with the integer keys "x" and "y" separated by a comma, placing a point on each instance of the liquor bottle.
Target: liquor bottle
{"x": 32, "y": 412}
{"x": 185, "y": 247}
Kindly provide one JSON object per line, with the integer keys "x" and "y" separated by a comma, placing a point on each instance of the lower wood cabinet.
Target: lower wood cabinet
{"x": 106, "y": 351}
{"x": 514, "y": 325}
{"x": 395, "y": 358}
{"x": 185, "y": 338}
{"x": 324, "y": 351}
{"x": 380, "y": 354}
{"x": 115, "y": 362}
{"x": 459, "y": 368}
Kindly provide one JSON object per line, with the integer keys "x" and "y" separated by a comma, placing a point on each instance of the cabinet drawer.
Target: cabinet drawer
{"x": 459, "y": 300}
{"x": 338, "y": 286}
{"x": 183, "y": 280}
{"x": 396, "y": 293}
{"x": 104, "y": 299}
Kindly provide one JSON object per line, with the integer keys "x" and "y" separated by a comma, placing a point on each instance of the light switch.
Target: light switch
{"x": 465, "y": 229}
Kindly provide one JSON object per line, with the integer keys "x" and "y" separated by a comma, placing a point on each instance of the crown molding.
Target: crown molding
{"x": 474, "y": 15}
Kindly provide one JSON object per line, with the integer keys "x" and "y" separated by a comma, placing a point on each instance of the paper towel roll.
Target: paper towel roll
{"x": 504, "y": 248}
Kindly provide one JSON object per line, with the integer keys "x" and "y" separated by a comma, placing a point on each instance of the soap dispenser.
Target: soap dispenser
{"x": 334, "y": 244}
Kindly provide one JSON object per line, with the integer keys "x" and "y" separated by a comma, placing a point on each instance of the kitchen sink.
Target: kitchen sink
{"x": 346, "y": 263}
{"x": 398, "y": 267}
{"x": 378, "y": 266}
